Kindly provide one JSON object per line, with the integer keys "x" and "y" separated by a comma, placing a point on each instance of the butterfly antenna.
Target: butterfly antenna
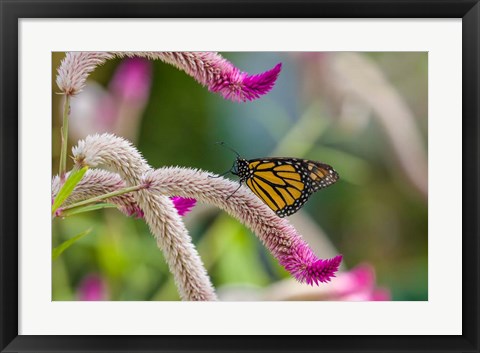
{"x": 219, "y": 176}
{"x": 223, "y": 144}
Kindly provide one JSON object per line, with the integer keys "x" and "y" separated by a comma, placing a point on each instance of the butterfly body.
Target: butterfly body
{"x": 284, "y": 184}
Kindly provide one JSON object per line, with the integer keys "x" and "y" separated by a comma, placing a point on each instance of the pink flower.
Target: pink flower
{"x": 75, "y": 68}
{"x": 306, "y": 267}
{"x": 92, "y": 288}
{"x": 358, "y": 284}
{"x": 119, "y": 108}
{"x": 218, "y": 74}
{"x": 163, "y": 219}
{"x": 283, "y": 241}
{"x": 183, "y": 205}
{"x": 97, "y": 182}
{"x": 238, "y": 86}
{"x": 132, "y": 80}
{"x": 208, "y": 68}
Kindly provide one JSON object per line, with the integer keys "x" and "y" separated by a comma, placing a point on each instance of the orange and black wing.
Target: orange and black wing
{"x": 285, "y": 184}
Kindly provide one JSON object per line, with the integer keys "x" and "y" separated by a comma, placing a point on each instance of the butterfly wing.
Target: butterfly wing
{"x": 285, "y": 184}
{"x": 320, "y": 175}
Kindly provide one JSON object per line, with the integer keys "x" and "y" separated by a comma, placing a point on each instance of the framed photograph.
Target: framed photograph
{"x": 216, "y": 176}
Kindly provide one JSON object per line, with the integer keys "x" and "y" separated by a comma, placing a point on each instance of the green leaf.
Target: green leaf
{"x": 75, "y": 176}
{"x": 66, "y": 244}
{"x": 87, "y": 208}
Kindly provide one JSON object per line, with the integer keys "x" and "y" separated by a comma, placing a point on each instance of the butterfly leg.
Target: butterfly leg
{"x": 239, "y": 186}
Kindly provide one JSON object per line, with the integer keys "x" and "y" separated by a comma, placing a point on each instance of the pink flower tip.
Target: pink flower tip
{"x": 183, "y": 205}
{"x": 302, "y": 263}
{"x": 241, "y": 87}
{"x": 322, "y": 271}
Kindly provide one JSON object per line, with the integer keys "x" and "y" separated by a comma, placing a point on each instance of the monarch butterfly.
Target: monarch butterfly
{"x": 284, "y": 184}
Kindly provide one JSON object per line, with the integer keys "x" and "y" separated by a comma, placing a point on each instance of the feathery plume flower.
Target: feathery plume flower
{"x": 165, "y": 223}
{"x": 276, "y": 234}
{"x": 98, "y": 182}
{"x": 219, "y": 75}
{"x": 75, "y": 68}
{"x": 209, "y": 69}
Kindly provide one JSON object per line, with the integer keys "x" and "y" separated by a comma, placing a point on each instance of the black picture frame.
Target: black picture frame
{"x": 12, "y": 11}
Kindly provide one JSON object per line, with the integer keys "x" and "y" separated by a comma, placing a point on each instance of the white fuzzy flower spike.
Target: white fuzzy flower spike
{"x": 166, "y": 225}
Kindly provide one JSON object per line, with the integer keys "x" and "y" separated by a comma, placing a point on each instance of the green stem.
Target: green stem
{"x": 64, "y": 129}
{"x": 103, "y": 197}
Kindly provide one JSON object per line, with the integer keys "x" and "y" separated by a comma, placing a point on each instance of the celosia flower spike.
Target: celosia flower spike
{"x": 240, "y": 87}
{"x": 219, "y": 75}
{"x": 252, "y": 87}
{"x": 75, "y": 68}
{"x": 162, "y": 218}
{"x": 216, "y": 73}
{"x": 276, "y": 234}
{"x": 306, "y": 267}
{"x": 97, "y": 182}
{"x": 210, "y": 69}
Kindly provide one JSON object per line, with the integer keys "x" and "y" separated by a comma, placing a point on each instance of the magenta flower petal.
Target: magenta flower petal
{"x": 302, "y": 263}
{"x": 183, "y": 205}
{"x": 240, "y": 87}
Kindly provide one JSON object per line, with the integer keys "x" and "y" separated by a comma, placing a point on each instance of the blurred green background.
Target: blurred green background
{"x": 363, "y": 113}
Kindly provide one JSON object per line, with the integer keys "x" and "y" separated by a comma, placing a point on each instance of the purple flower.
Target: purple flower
{"x": 132, "y": 80}
{"x": 75, "y": 68}
{"x": 97, "y": 182}
{"x": 239, "y": 86}
{"x": 208, "y": 68}
{"x": 183, "y": 205}
{"x": 92, "y": 288}
{"x": 220, "y": 75}
{"x": 119, "y": 108}
{"x": 283, "y": 241}
{"x": 303, "y": 264}
{"x": 358, "y": 284}
{"x": 277, "y": 234}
